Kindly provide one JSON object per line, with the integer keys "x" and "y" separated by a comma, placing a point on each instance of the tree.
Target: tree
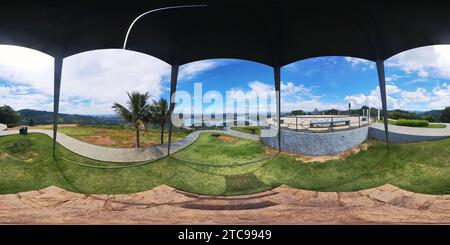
{"x": 297, "y": 112}
{"x": 136, "y": 112}
{"x": 430, "y": 118}
{"x": 445, "y": 115}
{"x": 8, "y": 116}
{"x": 31, "y": 122}
{"x": 333, "y": 112}
{"x": 159, "y": 115}
{"x": 316, "y": 111}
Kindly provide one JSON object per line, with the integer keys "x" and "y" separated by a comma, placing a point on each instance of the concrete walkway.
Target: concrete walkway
{"x": 401, "y": 134}
{"x": 243, "y": 135}
{"x": 109, "y": 154}
{"x": 386, "y": 204}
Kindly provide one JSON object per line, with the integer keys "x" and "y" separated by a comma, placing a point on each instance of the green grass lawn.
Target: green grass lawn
{"x": 420, "y": 167}
{"x": 210, "y": 149}
{"x": 249, "y": 129}
{"x": 117, "y": 137}
{"x": 434, "y": 125}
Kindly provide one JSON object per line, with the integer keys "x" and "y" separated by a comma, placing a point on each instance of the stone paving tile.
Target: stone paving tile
{"x": 386, "y": 214}
{"x": 355, "y": 199}
{"x": 388, "y": 187}
{"x": 88, "y": 203}
{"x": 292, "y": 196}
{"x": 388, "y": 193}
{"x": 415, "y": 201}
{"x": 287, "y": 206}
{"x": 28, "y": 194}
{"x": 440, "y": 206}
{"x": 324, "y": 199}
{"x": 9, "y": 202}
{"x": 161, "y": 195}
{"x": 367, "y": 192}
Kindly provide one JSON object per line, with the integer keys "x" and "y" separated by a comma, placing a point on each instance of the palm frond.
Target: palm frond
{"x": 137, "y": 111}
{"x": 122, "y": 112}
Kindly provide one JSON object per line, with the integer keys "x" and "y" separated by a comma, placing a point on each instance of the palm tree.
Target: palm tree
{"x": 137, "y": 112}
{"x": 159, "y": 114}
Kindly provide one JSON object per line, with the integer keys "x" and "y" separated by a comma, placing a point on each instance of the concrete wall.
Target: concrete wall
{"x": 402, "y": 138}
{"x": 318, "y": 144}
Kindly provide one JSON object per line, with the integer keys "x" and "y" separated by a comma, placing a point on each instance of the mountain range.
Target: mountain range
{"x": 46, "y": 117}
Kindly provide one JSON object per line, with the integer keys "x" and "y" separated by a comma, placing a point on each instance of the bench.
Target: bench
{"x": 329, "y": 123}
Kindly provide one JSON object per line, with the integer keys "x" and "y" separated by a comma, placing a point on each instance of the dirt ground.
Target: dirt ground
{"x": 228, "y": 139}
{"x": 320, "y": 159}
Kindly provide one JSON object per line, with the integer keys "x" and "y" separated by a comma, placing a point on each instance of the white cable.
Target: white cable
{"x": 155, "y": 10}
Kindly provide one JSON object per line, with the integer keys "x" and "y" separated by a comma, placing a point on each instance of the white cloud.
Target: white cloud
{"x": 257, "y": 89}
{"x": 306, "y": 104}
{"x": 373, "y": 99}
{"x": 392, "y": 77}
{"x": 440, "y": 97}
{"x": 100, "y": 78}
{"x": 190, "y": 70}
{"x": 419, "y": 99}
{"x": 27, "y": 77}
{"x": 362, "y": 63}
{"x": 24, "y": 66}
{"x": 292, "y": 96}
{"x": 424, "y": 61}
{"x": 21, "y": 97}
{"x": 289, "y": 88}
{"x": 419, "y": 95}
{"x": 91, "y": 81}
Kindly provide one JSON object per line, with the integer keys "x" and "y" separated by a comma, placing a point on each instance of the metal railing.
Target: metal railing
{"x": 324, "y": 121}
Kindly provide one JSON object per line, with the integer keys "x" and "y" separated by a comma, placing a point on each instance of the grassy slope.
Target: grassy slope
{"x": 422, "y": 167}
{"x": 211, "y": 150}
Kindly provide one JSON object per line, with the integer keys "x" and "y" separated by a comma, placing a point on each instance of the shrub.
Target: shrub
{"x": 20, "y": 146}
{"x": 412, "y": 123}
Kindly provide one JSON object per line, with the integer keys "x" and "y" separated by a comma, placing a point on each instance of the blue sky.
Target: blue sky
{"x": 417, "y": 79}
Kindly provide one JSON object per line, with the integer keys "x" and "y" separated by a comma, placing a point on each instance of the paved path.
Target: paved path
{"x": 401, "y": 134}
{"x": 243, "y": 135}
{"x": 386, "y": 204}
{"x": 109, "y": 154}
{"x": 414, "y": 130}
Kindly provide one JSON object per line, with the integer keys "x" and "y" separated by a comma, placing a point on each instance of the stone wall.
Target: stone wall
{"x": 318, "y": 144}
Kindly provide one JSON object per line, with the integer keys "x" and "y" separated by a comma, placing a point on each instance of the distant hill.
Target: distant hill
{"x": 435, "y": 113}
{"x": 46, "y": 117}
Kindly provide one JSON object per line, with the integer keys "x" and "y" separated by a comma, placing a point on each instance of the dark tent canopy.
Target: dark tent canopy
{"x": 275, "y": 33}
